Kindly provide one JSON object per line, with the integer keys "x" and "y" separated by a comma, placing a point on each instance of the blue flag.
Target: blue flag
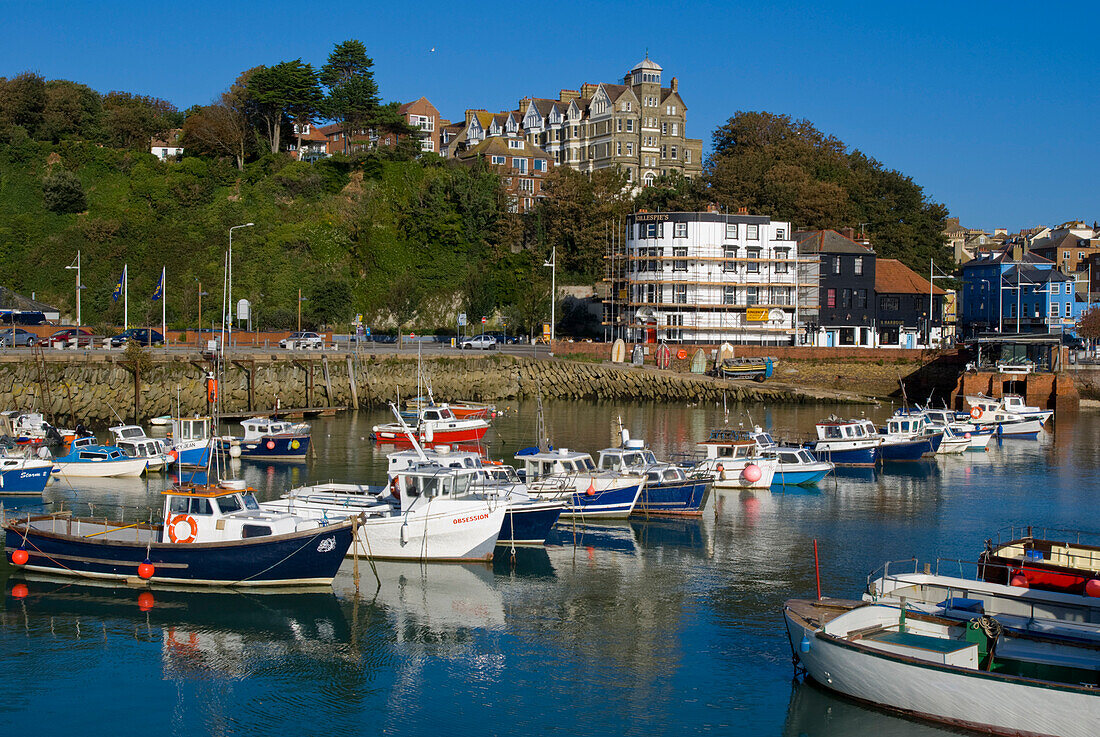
{"x": 159, "y": 292}
{"x": 118, "y": 287}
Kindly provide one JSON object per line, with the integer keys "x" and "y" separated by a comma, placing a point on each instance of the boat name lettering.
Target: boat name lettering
{"x": 475, "y": 518}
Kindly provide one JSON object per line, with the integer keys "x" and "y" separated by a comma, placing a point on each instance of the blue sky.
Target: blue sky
{"x": 993, "y": 107}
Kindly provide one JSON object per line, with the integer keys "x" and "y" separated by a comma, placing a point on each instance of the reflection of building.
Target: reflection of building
{"x": 846, "y": 288}
{"x": 706, "y": 277}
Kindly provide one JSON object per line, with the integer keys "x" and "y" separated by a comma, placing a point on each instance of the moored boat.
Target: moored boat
{"x": 270, "y": 439}
{"x": 797, "y": 465}
{"x": 667, "y": 491}
{"x": 905, "y": 439}
{"x": 134, "y": 443}
{"x": 1041, "y": 562}
{"x": 562, "y": 473}
{"x": 966, "y": 674}
{"x": 846, "y": 443}
{"x": 732, "y": 460}
{"x": 88, "y": 459}
{"x": 435, "y": 424}
{"x": 209, "y": 536}
{"x": 191, "y": 440}
{"x": 20, "y": 476}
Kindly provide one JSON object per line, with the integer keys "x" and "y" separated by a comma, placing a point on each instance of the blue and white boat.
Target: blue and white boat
{"x": 191, "y": 441}
{"x": 847, "y": 442}
{"x": 20, "y": 476}
{"x": 668, "y": 490}
{"x": 88, "y": 459}
{"x": 1006, "y": 423}
{"x": 905, "y": 439}
{"x": 270, "y": 439}
{"x": 797, "y": 466}
{"x": 136, "y": 444}
{"x": 209, "y": 536}
{"x": 588, "y": 491}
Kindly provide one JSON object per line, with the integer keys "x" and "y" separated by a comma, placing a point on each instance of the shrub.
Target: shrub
{"x": 63, "y": 192}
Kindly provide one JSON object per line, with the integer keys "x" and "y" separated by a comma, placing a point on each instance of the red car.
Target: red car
{"x": 61, "y": 338}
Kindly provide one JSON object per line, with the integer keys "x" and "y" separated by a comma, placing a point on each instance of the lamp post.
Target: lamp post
{"x": 230, "y": 278}
{"x": 301, "y": 299}
{"x": 76, "y": 265}
{"x": 201, "y": 295}
{"x": 932, "y": 276}
{"x": 553, "y": 264}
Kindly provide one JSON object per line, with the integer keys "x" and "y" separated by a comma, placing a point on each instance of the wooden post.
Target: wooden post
{"x": 328, "y": 383}
{"x": 351, "y": 384}
{"x": 137, "y": 393}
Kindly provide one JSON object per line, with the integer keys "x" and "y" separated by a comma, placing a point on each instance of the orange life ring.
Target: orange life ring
{"x": 721, "y": 472}
{"x": 976, "y": 413}
{"x": 182, "y": 518}
{"x": 211, "y": 390}
{"x": 681, "y": 354}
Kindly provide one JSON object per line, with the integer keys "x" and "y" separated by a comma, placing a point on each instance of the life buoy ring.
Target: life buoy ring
{"x": 976, "y": 413}
{"x": 191, "y": 523}
{"x": 395, "y": 487}
{"x": 211, "y": 389}
{"x": 681, "y": 354}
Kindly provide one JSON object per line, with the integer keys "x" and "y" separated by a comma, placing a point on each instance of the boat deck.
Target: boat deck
{"x": 98, "y": 530}
{"x": 819, "y": 612}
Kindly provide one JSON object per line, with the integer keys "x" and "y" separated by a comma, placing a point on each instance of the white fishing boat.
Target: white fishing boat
{"x": 945, "y": 419}
{"x": 797, "y": 465}
{"x": 1009, "y": 403}
{"x": 847, "y": 442}
{"x": 427, "y": 513}
{"x": 1006, "y": 424}
{"x": 589, "y": 492}
{"x": 969, "y": 674}
{"x": 88, "y": 459}
{"x": 732, "y": 460}
{"x": 136, "y": 444}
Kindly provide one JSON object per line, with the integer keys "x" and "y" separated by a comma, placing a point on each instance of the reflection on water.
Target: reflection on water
{"x": 636, "y": 628}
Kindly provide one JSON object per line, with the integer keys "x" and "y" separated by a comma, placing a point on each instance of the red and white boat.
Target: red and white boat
{"x": 461, "y": 410}
{"x": 435, "y": 424}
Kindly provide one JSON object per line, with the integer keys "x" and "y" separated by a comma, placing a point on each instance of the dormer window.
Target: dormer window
{"x": 515, "y": 144}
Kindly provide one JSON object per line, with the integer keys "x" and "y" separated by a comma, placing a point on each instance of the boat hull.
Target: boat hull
{"x": 195, "y": 455}
{"x": 25, "y": 479}
{"x": 905, "y": 450}
{"x": 684, "y": 498}
{"x": 386, "y": 434}
{"x": 276, "y": 448}
{"x": 947, "y": 694}
{"x": 528, "y": 523}
{"x": 309, "y": 557}
{"x": 800, "y": 475}
{"x": 840, "y": 455}
{"x": 597, "y": 497}
{"x": 101, "y": 469}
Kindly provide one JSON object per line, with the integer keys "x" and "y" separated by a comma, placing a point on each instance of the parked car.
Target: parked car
{"x": 503, "y": 339}
{"x": 16, "y": 337}
{"x": 141, "y": 336}
{"x": 303, "y": 340}
{"x": 484, "y": 342}
{"x": 64, "y": 337}
{"x": 1072, "y": 341}
{"x": 383, "y": 338}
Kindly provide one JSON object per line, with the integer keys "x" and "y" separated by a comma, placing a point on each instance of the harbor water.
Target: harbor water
{"x": 635, "y": 628}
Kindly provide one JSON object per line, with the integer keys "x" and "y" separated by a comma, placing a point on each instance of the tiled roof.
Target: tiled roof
{"x": 1031, "y": 275}
{"x": 894, "y": 277}
{"x": 498, "y": 146}
{"x": 10, "y": 300}
{"x": 828, "y": 241}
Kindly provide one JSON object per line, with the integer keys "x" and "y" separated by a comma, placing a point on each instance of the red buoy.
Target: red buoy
{"x": 591, "y": 488}
{"x": 20, "y": 557}
{"x": 1019, "y": 580}
{"x": 20, "y": 591}
{"x": 271, "y": 445}
{"x": 146, "y": 570}
{"x": 1092, "y": 587}
{"x": 145, "y": 601}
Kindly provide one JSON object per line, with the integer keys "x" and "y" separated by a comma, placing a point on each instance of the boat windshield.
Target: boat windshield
{"x": 832, "y": 431}
{"x": 250, "y": 502}
{"x": 231, "y": 503}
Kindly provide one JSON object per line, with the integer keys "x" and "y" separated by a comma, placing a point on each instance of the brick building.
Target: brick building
{"x": 521, "y": 166}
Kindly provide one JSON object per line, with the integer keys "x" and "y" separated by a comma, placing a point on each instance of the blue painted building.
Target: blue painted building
{"x": 1015, "y": 291}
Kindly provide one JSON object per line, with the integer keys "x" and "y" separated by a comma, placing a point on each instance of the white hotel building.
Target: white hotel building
{"x": 708, "y": 277}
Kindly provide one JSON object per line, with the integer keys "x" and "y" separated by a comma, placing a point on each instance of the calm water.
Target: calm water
{"x": 637, "y": 628}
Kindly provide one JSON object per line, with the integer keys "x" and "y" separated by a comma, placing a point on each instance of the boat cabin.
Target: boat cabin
{"x": 220, "y": 513}
{"x": 437, "y": 413}
{"x": 258, "y": 428}
{"x": 846, "y": 430}
{"x": 127, "y": 432}
{"x": 560, "y": 462}
{"x": 143, "y": 448}
{"x": 633, "y": 455}
{"x": 430, "y": 480}
{"x": 795, "y": 456}
{"x": 191, "y": 428}
{"x": 913, "y": 426}
{"x": 737, "y": 450}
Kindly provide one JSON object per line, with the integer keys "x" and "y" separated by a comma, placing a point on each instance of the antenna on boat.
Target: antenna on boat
{"x": 408, "y": 432}
{"x": 541, "y": 440}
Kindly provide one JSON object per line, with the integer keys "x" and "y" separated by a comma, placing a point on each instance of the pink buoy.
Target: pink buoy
{"x": 271, "y": 445}
{"x": 1092, "y": 587}
{"x": 1019, "y": 580}
{"x": 752, "y": 473}
{"x": 966, "y": 435}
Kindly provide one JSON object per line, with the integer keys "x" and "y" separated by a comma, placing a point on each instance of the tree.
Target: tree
{"x": 330, "y": 301}
{"x": 673, "y": 192}
{"x": 71, "y": 111}
{"x": 132, "y": 121}
{"x": 287, "y": 92}
{"x": 63, "y": 192}
{"x": 22, "y": 102}
{"x": 352, "y": 98}
{"x": 221, "y": 128}
{"x": 1088, "y": 325}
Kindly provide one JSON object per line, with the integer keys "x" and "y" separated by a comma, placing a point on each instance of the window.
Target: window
{"x": 527, "y": 185}
{"x": 752, "y": 232}
{"x": 201, "y": 506}
{"x": 830, "y": 298}
{"x": 674, "y": 152}
{"x": 664, "y": 129}
{"x": 687, "y": 155}
{"x": 846, "y": 298}
{"x": 619, "y": 125}
{"x": 629, "y": 170}
{"x": 1055, "y": 288}
{"x": 781, "y": 256}
{"x": 649, "y": 179}
{"x": 630, "y": 125}
{"x": 664, "y": 152}
{"x": 781, "y": 296}
{"x": 675, "y": 129}
{"x": 729, "y": 252}
{"x": 618, "y": 148}
{"x": 680, "y": 294}
{"x": 653, "y": 230}
{"x": 857, "y": 265}
{"x": 228, "y": 504}
{"x": 629, "y": 149}
{"x": 1055, "y": 309}
{"x": 540, "y": 164}
{"x": 753, "y": 267}
{"x": 729, "y": 296}
{"x": 680, "y": 252}
{"x": 752, "y": 296}
{"x": 889, "y": 304}
{"x": 861, "y": 299}
{"x": 676, "y": 321}
{"x": 836, "y": 264}
{"x": 520, "y": 163}
{"x": 500, "y": 159}
{"x": 731, "y": 230}
{"x": 428, "y": 145}
{"x": 680, "y": 230}
{"x": 515, "y": 144}
{"x": 780, "y": 233}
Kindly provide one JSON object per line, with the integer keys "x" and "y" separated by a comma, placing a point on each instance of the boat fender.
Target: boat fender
{"x": 146, "y": 569}
{"x": 190, "y": 538}
{"x": 976, "y": 412}
{"x": 591, "y": 488}
{"x": 752, "y": 473}
{"x": 404, "y": 533}
{"x": 20, "y": 557}
{"x": 1092, "y": 587}
{"x": 211, "y": 389}
{"x": 804, "y": 646}
{"x": 721, "y": 472}
{"x": 1019, "y": 581}
{"x": 295, "y": 445}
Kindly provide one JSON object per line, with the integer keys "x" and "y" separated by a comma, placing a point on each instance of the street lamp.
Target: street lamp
{"x": 201, "y": 295}
{"x": 553, "y": 264}
{"x": 932, "y": 276}
{"x": 301, "y": 299}
{"x": 230, "y": 278}
{"x": 76, "y": 265}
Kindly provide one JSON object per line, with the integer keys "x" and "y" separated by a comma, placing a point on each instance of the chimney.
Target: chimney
{"x": 712, "y": 207}
{"x": 523, "y": 103}
{"x": 1017, "y": 252}
{"x": 588, "y": 89}
{"x": 742, "y": 211}
{"x": 675, "y": 84}
{"x": 568, "y": 95}
{"x": 849, "y": 233}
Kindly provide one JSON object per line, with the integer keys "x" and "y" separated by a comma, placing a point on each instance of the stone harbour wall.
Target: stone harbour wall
{"x": 102, "y": 390}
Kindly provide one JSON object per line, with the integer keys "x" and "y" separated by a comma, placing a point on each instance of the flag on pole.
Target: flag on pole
{"x": 118, "y": 287}
{"x": 158, "y": 293}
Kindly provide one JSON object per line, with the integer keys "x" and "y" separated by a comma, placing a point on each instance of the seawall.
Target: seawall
{"x": 99, "y": 389}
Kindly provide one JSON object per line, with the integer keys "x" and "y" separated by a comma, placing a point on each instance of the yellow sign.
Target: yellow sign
{"x": 546, "y": 330}
{"x": 756, "y": 314}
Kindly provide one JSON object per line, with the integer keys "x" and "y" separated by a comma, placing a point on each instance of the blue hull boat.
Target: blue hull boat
{"x": 906, "y": 450}
{"x": 276, "y": 449}
{"x": 866, "y": 456}
{"x": 24, "y": 477}
{"x": 798, "y": 478}
{"x": 680, "y": 498}
{"x": 613, "y": 502}
{"x": 195, "y": 457}
{"x": 528, "y": 523}
{"x": 56, "y": 545}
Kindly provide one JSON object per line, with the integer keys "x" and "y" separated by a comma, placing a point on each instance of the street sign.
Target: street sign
{"x": 484, "y": 319}
{"x": 358, "y": 318}
{"x": 462, "y": 319}
{"x": 242, "y": 309}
